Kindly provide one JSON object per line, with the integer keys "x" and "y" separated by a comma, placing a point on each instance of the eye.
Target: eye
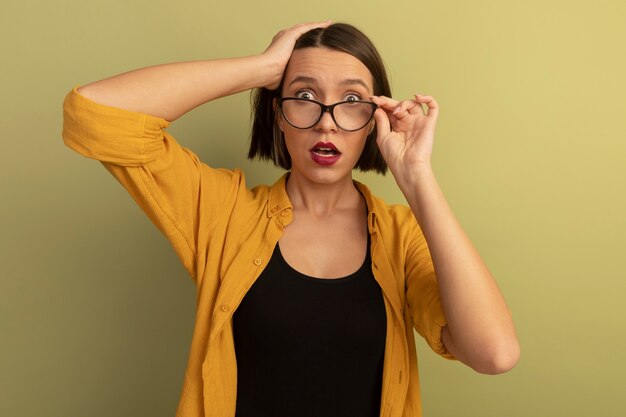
{"x": 352, "y": 97}
{"x": 306, "y": 95}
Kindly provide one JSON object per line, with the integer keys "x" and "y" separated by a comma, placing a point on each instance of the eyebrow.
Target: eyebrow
{"x": 348, "y": 81}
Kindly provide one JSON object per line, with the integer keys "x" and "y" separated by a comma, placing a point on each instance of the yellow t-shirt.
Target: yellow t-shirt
{"x": 225, "y": 234}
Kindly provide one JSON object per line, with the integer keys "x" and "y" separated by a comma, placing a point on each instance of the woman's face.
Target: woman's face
{"x": 327, "y": 76}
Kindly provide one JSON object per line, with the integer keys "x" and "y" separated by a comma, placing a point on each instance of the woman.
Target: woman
{"x": 309, "y": 289}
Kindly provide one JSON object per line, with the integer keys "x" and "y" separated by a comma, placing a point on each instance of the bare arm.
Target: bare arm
{"x": 479, "y": 331}
{"x": 171, "y": 90}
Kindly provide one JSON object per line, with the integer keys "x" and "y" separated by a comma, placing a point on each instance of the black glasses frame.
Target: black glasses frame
{"x": 325, "y": 108}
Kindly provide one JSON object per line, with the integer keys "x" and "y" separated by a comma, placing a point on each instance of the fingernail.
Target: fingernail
{"x": 396, "y": 110}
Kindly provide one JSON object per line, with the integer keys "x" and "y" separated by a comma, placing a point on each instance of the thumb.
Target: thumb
{"x": 383, "y": 126}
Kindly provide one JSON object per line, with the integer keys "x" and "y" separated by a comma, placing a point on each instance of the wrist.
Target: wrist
{"x": 411, "y": 177}
{"x": 271, "y": 71}
{"x": 421, "y": 190}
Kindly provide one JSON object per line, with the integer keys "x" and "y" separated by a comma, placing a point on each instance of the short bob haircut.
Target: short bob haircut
{"x": 267, "y": 140}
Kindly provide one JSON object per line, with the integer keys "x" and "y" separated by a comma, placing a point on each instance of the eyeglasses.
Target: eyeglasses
{"x": 348, "y": 115}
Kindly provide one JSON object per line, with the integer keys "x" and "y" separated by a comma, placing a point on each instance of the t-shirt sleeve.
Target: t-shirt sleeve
{"x": 166, "y": 180}
{"x": 422, "y": 293}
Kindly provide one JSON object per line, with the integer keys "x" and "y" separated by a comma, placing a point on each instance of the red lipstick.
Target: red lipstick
{"x": 324, "y": 153}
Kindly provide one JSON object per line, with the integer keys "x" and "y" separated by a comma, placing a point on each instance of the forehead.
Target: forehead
{"x": 327, "y": 67}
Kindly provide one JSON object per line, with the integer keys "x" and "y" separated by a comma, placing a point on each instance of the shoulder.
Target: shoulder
{"x": 250, "y": 199}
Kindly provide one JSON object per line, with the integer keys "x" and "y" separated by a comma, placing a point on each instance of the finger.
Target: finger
{"x": 398, "y": 109}
{"x": 385, "y": 102}
{"x": 383, "y": 126}
{"x": 302, "y": 28}
{"x": 380, "y": 101}
{"x": 431, "y": 103}
{"x": 388, "y": 105}
{"x": 318, "y": 23}
{"x": 405, "y": 108}
{"x": 416, "y": 108}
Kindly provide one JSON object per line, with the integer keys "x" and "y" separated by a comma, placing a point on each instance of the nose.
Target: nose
{"x": 326, "y": 123}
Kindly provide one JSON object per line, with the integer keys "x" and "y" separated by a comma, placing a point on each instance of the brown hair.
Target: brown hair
{"x": 267, "y": 141}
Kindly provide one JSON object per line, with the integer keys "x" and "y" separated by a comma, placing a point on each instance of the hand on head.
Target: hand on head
{"x": 280, "y": 49}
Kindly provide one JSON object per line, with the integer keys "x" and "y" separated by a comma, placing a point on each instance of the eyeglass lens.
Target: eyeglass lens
{"x": 304, "y": 114}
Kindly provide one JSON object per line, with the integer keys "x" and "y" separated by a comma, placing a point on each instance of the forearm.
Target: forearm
{"x": 171, "y": 90}
{"x": 480, "y": 331}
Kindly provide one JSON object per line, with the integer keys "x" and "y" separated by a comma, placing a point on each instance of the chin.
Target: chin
{"x": 326, "y": 175}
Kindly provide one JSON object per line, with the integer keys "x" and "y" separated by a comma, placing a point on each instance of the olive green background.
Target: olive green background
{"x": 96, "y": 312}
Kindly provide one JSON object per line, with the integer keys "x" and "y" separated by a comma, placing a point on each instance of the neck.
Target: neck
{"x": 321, "y": 199}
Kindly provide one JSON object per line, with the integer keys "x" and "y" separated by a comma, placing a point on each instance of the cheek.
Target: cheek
{"x": 362, "y": 148}
{"x": 358, "y": 145}
{"x": 283, "y": 122}
{"x": 291, "y": 140}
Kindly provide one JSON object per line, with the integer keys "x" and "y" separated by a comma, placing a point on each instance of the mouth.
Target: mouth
{"x": 325, "y": 149}
{"x": 325, "y": 154}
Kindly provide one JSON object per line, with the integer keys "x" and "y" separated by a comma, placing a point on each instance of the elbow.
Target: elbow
{"x": 499, "y": 360}
{"x": 493, "y": 356}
